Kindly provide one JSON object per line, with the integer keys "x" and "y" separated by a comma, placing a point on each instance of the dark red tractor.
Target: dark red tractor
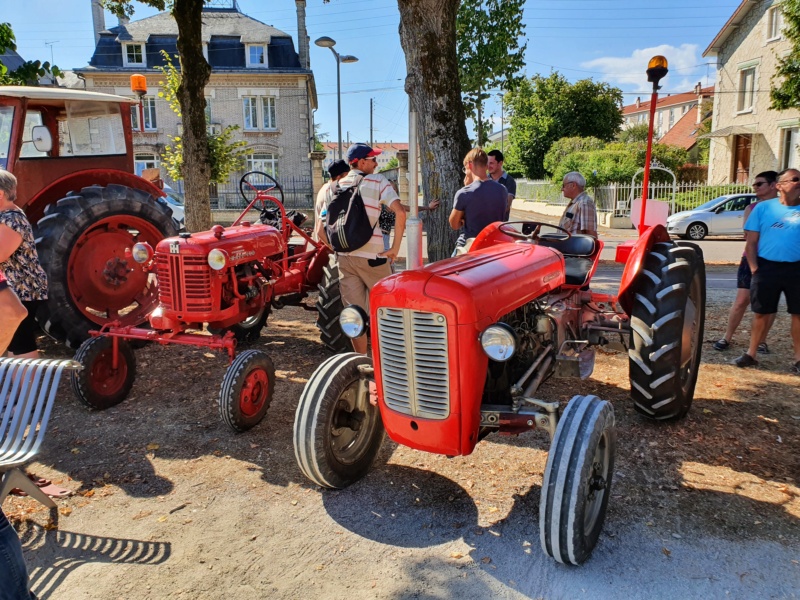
{"x": 460, "y": 347}
{"x": 228, "y": 278}
{"x": 72, "y": 154}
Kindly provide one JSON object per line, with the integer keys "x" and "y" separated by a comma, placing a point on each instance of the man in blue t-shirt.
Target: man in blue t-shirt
{"x": 773, "y": 253}
{"x": 481, "y": 201}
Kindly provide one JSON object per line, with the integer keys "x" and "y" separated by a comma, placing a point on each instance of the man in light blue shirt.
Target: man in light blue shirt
{"x": 773, "y": 253}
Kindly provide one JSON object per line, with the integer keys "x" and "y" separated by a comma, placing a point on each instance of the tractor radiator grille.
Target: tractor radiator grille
{"x": 184, "y": 283}
{"x": 414, "y": 367}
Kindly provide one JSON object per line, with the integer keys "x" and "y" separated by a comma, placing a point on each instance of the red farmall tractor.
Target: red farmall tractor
{"x": 460, "y": 347}
{"x": 229, "y": 278}
{"x": 71, "y": 152}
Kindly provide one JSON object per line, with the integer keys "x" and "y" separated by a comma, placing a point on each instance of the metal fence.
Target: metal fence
{"x": 298, "y": 192}
{"x": 616, "y": 197}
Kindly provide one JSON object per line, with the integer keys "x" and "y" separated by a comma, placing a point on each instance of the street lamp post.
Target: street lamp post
{"x": 326, "y": 42}
{"x": 656, "y": 71}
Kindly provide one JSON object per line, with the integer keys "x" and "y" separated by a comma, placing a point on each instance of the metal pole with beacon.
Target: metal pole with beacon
{"x": 414, "y": 224}
{"x": 139, "y": 87}
{"x": 656, "y": 70}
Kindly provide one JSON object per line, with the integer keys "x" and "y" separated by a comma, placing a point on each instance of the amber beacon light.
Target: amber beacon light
{"x": 139, "y": 87}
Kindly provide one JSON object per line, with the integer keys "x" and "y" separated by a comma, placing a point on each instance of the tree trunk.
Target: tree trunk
{"x": 428, "y": 37}
{"x": 195, "y": 73}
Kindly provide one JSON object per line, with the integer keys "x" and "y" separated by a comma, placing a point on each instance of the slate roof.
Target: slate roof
{"x": 11, "y": 59}
{"x": 226, "y": 32}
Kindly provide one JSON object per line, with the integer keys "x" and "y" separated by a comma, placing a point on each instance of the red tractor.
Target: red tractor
{"x": 71, "y": 152}
{"x": 460, "y": 347}
{"x": 229, "y": 278}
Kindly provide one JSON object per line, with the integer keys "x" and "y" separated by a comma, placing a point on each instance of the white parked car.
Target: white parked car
{"x": 175, "y": 201}
{"x": 720, "y": 216}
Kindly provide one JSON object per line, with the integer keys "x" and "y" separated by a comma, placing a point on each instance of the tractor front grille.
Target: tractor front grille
{"x": 414, "y": 366}
{"x": 184, "y": 283}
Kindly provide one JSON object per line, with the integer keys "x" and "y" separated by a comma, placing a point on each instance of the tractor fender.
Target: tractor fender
{"x": 633, "y": 266}
{"x": 76, "y": 181}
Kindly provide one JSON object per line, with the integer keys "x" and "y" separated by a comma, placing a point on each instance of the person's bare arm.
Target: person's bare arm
{"x": 10, "y": 240}
{"x": 751, "y": 250}
{"x": 747, "y": 212}
{"x": 399, "y": 229}
{"x": 456, "y": 219}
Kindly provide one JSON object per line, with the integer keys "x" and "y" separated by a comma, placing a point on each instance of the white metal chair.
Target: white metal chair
{"x": 27, "y": 391}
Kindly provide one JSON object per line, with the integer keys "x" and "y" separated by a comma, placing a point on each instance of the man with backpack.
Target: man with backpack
{"x": 353, "y": 208}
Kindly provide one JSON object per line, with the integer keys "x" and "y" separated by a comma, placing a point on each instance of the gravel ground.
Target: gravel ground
{"x": 170, "y": 504}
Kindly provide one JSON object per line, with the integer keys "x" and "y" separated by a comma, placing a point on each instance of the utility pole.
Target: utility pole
{"x": 51, "y": 50}
{"x": 370, "y": 122}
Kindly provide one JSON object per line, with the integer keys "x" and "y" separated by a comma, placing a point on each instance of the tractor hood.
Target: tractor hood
{"x": 483, "y": 285}
{"x": 243, "y": 243}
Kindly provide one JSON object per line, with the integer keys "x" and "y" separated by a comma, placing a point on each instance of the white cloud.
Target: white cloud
{"x": 686, "y": 68}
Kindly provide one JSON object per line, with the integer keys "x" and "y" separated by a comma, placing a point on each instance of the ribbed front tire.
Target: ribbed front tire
{"x": 577, "y": 480}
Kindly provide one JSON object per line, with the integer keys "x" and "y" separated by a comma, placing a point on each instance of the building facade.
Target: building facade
{"x": 747, "y": 135}
{"x": 258, "y": 82}
{"x": 669, "y": 109}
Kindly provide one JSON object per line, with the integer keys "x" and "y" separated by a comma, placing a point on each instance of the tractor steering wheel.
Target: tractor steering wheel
{"x": 256, "y": 184}
{"x": 530, "y": 230}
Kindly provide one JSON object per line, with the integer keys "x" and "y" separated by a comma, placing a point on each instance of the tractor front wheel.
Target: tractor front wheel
{"x": 246, "y": 391}
{"x": 337, "y": 432}
{"x": 577, "y": 480}
{"x": 329, "y": 307}
{"x": 667, "y": 330}
{"x": 84, "y": 243}
{"x": 101, "y": 384}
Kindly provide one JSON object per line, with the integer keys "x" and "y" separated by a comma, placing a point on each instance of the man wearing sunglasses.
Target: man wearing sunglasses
{"x": 773, "y": 253}
{"x": 765, "y": 188}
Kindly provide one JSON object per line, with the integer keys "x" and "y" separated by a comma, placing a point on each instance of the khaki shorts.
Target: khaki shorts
{"x": 357, "y": 278}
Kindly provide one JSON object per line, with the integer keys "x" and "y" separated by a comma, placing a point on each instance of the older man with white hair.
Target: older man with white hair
{"x": 580, "y": 216}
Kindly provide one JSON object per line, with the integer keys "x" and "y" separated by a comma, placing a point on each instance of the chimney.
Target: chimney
{"x": 302, "y": 34}
{"x": 98, "y": 20}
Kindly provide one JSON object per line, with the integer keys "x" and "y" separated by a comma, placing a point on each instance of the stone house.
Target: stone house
{"x": 747, "y": 135}
{"x": 258, "y": 82}
{"x": 670, "y": 109}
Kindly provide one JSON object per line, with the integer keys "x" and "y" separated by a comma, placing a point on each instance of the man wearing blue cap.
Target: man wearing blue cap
{"x": 361, "y": 269}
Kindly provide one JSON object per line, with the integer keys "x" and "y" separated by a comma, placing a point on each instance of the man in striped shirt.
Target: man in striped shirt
{"x": 361, "y": 269}
{"x": 580, "y": 216}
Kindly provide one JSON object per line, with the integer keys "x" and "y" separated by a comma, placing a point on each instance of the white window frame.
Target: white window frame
{"x": 266, "y": 162}
{"x": 261, "y": 65}
{"x": 150, "y": 116}
{"x": 787, "y": 152}
{"x": 127, "y": 62}
{"x": 742, "y": 105}
{"x": 774, "y": 24}
{"x": 256, "y": 115}
{"x": 250, "y": 113}
{"x": 145, "y": 160}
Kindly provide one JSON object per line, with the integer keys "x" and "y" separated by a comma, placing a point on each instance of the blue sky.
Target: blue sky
{"x": 606, "y": 40}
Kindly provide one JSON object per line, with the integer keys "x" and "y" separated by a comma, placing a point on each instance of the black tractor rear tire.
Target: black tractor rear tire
{"x": 248, "y": 330}
{"x": 667, "y": 330}
{"x": 329, "y": 307}
{"x": 66, "y": 226}
{"x": 337, "y": 434}
{"x": 577, "y": 480}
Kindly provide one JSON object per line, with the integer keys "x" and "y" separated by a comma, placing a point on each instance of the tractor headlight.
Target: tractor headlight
{"x": 142, "y": 252}
{"x": 353, "y": 321}
{"x": 217, "y": 259}
{"x": 499, "y": 342}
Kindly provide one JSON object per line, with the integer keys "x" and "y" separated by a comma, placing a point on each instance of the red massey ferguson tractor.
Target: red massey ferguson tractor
{"x": 460, "y": 347}
{"x": 71, "y": 152}
{"x": 229, "y": 278}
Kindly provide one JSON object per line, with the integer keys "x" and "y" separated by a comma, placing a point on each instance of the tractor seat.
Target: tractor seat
{"x": 576, "y": 245}
{"x": 577, "y": 251}
{"x": 576, "y": 269}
